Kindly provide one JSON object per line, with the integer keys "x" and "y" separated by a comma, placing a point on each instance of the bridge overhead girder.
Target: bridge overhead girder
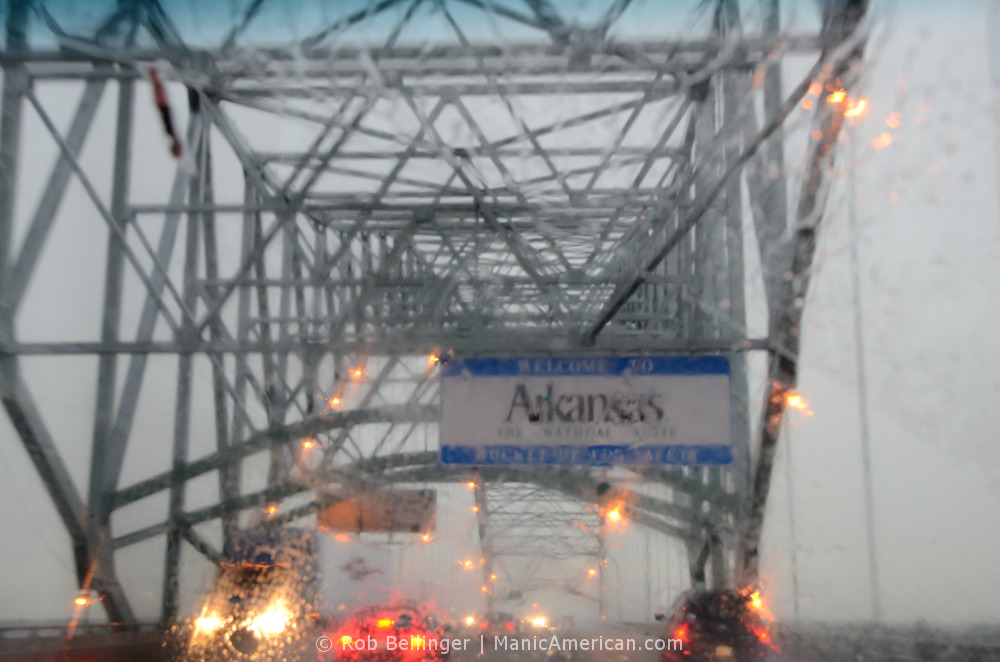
{"x": 388, "y": 185}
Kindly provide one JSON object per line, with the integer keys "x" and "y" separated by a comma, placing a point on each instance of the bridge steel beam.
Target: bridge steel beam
{"x": 442, "y": 200}
{"x": 783, "y": 362}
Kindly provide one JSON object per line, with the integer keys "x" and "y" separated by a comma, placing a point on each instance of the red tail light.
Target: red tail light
{"x": 765, "y": 638}
{"x": 509, "y": 626}
{"x": 484, "y": 624}
{"x": 681, "y": 633}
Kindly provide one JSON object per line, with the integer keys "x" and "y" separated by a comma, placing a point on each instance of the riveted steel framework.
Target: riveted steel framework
{"x": 404, "y": 179}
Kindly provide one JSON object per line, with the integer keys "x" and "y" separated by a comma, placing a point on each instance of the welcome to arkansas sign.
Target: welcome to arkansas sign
{"x": 594, "y": 410}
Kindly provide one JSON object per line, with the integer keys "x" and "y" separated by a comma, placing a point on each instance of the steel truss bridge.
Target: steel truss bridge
{"x": 363, "y": 188}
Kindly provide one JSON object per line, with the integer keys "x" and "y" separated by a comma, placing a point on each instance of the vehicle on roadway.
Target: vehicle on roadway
{"x": 280, "y": 589}
{"x": 499, "y": 624}
{"x": 718, "y": 624}
{"x": 391, "y": 633}
{"x": 263, "y": 603}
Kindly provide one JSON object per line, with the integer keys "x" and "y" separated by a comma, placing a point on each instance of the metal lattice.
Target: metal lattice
{"x": 387, "y": 181}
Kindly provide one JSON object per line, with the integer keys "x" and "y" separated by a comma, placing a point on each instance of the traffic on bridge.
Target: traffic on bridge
{"x": 461, "y": 330}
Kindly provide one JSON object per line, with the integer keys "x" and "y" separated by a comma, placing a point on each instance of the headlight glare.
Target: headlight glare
{"x": 208, "y": 624}
{"x": 273, "y": 621}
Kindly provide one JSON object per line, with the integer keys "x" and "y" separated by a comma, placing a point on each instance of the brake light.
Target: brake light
{"x": 681, "y": 633}
{"x": 509, "y": 626}
{"x": 483, "y": 625}
{"x": 761, "y": 634}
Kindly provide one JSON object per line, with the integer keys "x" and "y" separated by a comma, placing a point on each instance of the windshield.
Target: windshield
{"x": 544, "y": 317}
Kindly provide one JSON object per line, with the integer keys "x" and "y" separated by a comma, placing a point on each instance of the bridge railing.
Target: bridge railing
{"x": 52, "y": 642}
{"x": 62, "y": 630}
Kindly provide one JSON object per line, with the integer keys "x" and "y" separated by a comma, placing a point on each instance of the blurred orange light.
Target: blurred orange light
{"x": 493, "y": 578}
{"x": 471, "y": 484}
{"x": 469, "y": 620}
{"x": 615, "y": 515}
{"x": 475, "y": 509}
{"x": 815, "y": 89}
{"x": 346, "y": 640}
{"x": 796, "y": 401}
{"x": 81, "y": 601}
{"x": 426, "y": 537}
{"x": 467, "y": 564}
{"x": 308, "y": 443}
{"x": 592, "y": 572}
{"x": 384, "y": 623}
{"x": 883, "y": 140}
{"x": 756, "y": 601}
{"x": 357, "y": 373}
{"x": 894, "y": 118}
{"x": 271, "y": 510}
{"x": 855, "y": 107}
{"x": 837, "y": 96}
{"x": 334, "y": 402}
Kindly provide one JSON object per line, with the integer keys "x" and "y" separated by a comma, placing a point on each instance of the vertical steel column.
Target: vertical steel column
{"x": 103, "y": 480}
{"x": 485, "y": 540}
{"x": 711, "y": 267}
{"x": 243, "y": 324}
{"x": 783, "y": 362}
{"x": 15, "y": 81}
{"x": 182, "y": 415}
{"x": 772, "y": 223}
{"x": 281, "y": 391}
{"x": 227, "y": 472}
{"x": 729, "y": 22}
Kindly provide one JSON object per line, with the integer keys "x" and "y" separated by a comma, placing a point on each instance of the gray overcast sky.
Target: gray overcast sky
{"x": 929, "y": 241}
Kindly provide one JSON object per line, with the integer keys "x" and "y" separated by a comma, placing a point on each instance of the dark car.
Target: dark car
{"x": 724, "y": 624}
{"x": 499, "y": 624}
